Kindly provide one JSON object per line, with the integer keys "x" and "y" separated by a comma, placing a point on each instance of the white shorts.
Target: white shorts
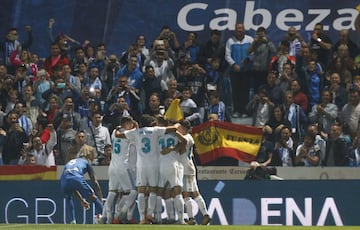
{"x": 147, "y": 175}
{"x": 190, "y": 184}
{"x": 121, "y": 180}
{"x": 171, "y": 175}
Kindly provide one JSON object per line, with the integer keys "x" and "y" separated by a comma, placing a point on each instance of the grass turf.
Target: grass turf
{"x": 160, "y": 227}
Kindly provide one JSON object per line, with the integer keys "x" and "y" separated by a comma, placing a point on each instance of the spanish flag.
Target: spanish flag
{"x": 174, "y": 112}
{"x": 27, "y": 172}
{"x": 216, "y": 139}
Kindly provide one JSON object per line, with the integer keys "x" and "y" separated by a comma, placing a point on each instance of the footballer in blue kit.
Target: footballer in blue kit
{"x": 73, "y": 183}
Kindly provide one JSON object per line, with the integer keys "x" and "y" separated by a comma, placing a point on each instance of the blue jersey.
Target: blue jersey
{"x": 77, "y": 168}
{"x": 73, "y": 179}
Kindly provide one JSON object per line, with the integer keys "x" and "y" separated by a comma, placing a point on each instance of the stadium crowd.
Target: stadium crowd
{"x": 305, "y": 95}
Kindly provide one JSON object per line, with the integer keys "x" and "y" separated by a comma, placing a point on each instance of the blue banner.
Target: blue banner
{"x": 118, "y": 22}
{"x": 310, "y": 202}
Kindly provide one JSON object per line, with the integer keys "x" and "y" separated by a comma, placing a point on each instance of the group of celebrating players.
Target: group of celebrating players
{"x": 150, "y": 163}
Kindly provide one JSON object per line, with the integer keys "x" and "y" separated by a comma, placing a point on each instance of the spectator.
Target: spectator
{"x": 81, "y": 148}
{"x": 134, "y": 74}
{"x": 68, "y": 108}
{"x": 162, "y": 63}
{"x": 14, "y": 139}
{"x": 237, "y": 57}
{"x": 190, "y": 108}
{"x": 275, "y": 123}
{"x": 307, "y": 153}
{"x": 296, "y": 116}
{"x": 344, "y": 39}
{"x": 189, "y": 51}
{"x": 284, "y": 149}
{"x": 152, "y": 84}
{"x": 154, "y": 106}
{"x": 324, "y": 113}
{"x": 312, "y": 84}
{"x": 71, "y": 80}
{"x": 43, "y": 155}
{"x": 295, "y": 40}
{"x": 350, "y": 114}
{"x": 98, "y": 135}
{"x": 41, "y": 85}
{"x": 24, "y": 121}
{"x": 116, "y": 111}
{"x": 112, "y": 66}
{"x": 65, "y": 138}
{"x": 56, "y": 61}
{"x": 321, "y": 44}
{"x": 274, "y": 92}
{"x": 320, "y": 142}
{"x": 31, "y": 104}
{"x": 337, "y": 151}
{"x": 10, "y": 44}
{"x": 141, "y": 43}
{"x": 169, "y": 37}
{"x": 217, "y": 107}
{"x": 282, "y": 56}
{"x": 196, "y": 83}
{"x": 172, "y": 90}
{"x": 260, "y": 108}
{"x": 337, "y": 91}
{"x": 22, "y": 58}
{"x": 286, "y": 76}
{"x": 299, "y": 96}
{"x": 122, "y": 89}
{"x": 262, "y": 50}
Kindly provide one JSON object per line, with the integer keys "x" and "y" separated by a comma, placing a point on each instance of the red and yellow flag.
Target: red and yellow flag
{"x": 215, "y": 139}
{"x": 27, "y": 172}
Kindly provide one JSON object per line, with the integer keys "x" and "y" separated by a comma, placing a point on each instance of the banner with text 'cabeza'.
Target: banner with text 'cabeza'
{"x": 215, "y": 139}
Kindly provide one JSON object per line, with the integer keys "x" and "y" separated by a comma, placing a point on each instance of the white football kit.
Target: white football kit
{"x": 120, "y": 173}
{"x": 190, "y": 183}
{"x": 171, "y": 170}
{"x": 146, "y": 140}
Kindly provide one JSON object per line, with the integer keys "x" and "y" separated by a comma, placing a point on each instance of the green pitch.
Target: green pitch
{"x": 163, "y": 227}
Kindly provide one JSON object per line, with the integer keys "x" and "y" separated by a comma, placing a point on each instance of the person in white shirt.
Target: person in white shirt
{"x": 171, "y": 176}
{"x": 97, "y": 135}
{"x": 190, "y": 188}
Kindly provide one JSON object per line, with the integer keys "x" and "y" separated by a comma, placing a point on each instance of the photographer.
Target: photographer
{"x": 262, "y": 50}
{"x": 161, "y": 62}
{"x": 122, "y": 89}
{"x": 170, "y": 37}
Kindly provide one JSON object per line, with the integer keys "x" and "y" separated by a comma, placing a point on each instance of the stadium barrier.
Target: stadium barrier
{"x": 230, "y": 202}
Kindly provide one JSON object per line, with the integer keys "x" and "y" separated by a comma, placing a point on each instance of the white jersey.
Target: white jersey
{"x": 146, "y": 140}
{"x": 171, "y": 170}
{"x": 166, "y": 141}
{"x": 187, "y": 156}
{"x": 120, "y": 176}
{"x": 119, "y": 152}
